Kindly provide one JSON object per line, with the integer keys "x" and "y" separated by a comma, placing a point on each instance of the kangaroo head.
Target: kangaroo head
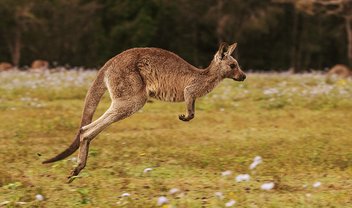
{"x": 226, "y": 65}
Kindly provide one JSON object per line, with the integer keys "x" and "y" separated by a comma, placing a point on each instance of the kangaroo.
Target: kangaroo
{"x": 39, "y": 66}
{"x": 340, "y": 70}
{"x": 133, "y": 76}
{"x": 5, "y": 66}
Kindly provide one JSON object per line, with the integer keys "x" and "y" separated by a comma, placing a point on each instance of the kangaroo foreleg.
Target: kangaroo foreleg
{"x": 190, "y": 103}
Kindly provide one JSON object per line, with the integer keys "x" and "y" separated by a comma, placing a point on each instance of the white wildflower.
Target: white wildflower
{"x": 267, "y": 186}
{"x": 316, "y": 184}
{"x": 226, "y": 173}
{"x": 257, "y": 160}
{"x": 162, "y": 200}
{"x": 230, "y": 203}
{"x": 125, "y": 194}
{"x": 321, "y": 90}
{"x": 147, "y": 170}
{"x": 174, "y": 191}
{"x": 39, "y": 197}
{"x": 242, "y": 177}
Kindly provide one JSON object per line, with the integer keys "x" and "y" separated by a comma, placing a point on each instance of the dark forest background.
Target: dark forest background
{"x": 272, "y": 34}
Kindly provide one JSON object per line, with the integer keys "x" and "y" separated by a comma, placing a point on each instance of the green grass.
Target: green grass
{"x": 299, "y": 124}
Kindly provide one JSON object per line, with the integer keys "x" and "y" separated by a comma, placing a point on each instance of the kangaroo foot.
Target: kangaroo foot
{"x": 73, "y": 174}
{"x": 186, "y": 118}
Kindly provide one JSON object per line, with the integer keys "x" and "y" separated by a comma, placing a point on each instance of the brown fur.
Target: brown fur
{"x": 39, "y": 66}
{"x": 340, "y": 70}
{"x": 5, "y": 66}
{"x": 136, "y": 74}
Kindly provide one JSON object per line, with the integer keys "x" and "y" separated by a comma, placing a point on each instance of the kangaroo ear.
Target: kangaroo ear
{"x": 231, "y": 49}
{"x": 221, "y": 52}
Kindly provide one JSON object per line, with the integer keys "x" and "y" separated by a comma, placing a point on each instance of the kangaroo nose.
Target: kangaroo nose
{"x": 243, "y": 77}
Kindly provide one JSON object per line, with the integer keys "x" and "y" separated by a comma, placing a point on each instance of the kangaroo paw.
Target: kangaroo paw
{"x": 70, "y": 179}
{"x": 73, "y": 175}
{"x": 186, "y": 118}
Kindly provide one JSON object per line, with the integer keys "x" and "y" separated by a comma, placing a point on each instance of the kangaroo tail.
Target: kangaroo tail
{"x": 94, "y": 94}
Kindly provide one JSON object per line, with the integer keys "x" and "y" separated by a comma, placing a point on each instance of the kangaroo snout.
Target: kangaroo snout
{"x": 243, "y": 77}
{"x": 240, "y": 77}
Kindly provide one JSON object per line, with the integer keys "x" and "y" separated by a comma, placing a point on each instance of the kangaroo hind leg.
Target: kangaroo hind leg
{"x": 119, "y": 109}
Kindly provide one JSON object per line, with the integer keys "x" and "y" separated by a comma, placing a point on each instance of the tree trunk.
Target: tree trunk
{"x": 220, "y": 19}
{"x": 296, "y": 42}
{"x": 349, "y": 38}
{"x": 16, "y": 49}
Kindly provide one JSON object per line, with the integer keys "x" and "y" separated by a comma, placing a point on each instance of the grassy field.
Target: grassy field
{"x": 300, "y": 125}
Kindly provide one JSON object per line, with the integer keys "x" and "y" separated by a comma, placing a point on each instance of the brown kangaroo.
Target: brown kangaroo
{"x": 39, "y": 66}
{"x": 136, "y": 74}
{"x": 5, "y": 66}
{"x": 340, "y": 70}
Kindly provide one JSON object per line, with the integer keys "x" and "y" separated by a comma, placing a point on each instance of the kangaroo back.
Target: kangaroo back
{"x": 94, "y": 94}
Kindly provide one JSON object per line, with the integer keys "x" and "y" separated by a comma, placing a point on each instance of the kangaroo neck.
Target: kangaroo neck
{"x": 212, "y": 73}
{"x": 209, "y": 78}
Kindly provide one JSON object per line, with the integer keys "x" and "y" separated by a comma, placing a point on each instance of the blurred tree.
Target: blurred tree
{"x": 17, "y": 17}
{"x": 299, "y": 34}
{"x": 342, "y": 8}
{"x": 69, "y": 33}
{"x": 318, "y": 44}
{"x": 128, "y": 24}
{"x": 252, "y": 24}
{"x": 192, "y": 35}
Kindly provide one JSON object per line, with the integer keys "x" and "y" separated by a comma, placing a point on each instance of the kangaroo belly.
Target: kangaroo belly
{"x": 168, "y": 95}
{"x": 161, "y": 85}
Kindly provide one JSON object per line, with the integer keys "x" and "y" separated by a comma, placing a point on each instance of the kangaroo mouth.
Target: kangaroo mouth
{"x": 240, "y": 79}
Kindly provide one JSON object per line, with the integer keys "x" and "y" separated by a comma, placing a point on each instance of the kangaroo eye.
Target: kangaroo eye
{"x": 232, "y": 66}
